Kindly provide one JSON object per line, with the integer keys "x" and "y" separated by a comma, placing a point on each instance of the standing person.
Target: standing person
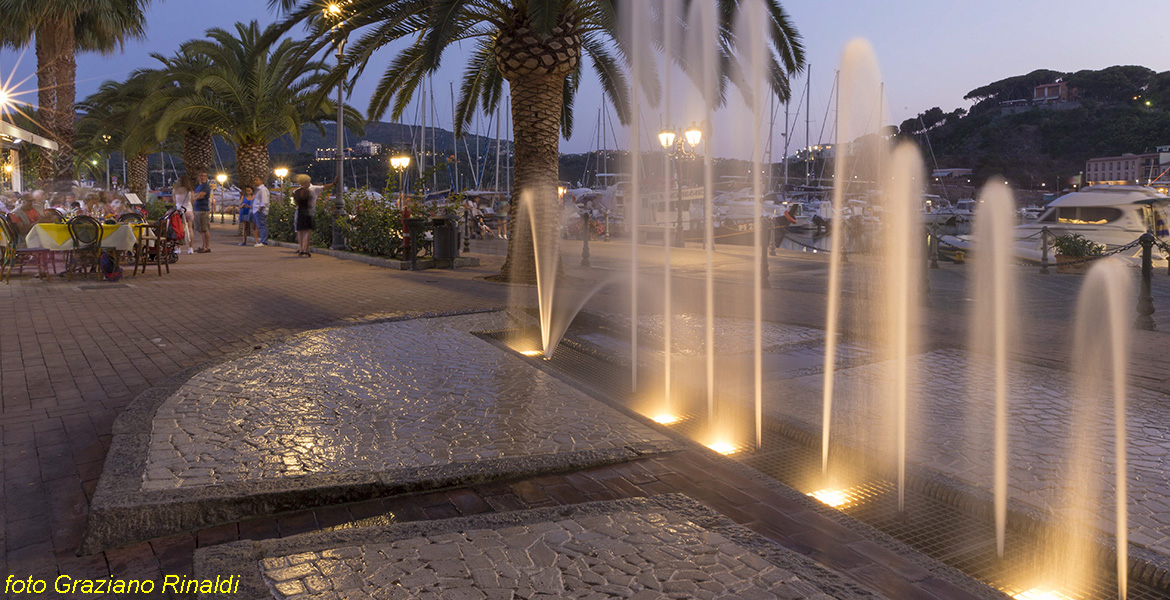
{"x": 201, "y": 201}
{"x": 247, "y": 197}
{"x": 182, "y": 192}
{"x": 260, "y": 211}
{"x": 305, "y": 197}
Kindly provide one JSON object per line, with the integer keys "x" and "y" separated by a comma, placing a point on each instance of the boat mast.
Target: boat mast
{"x": 808, "y": 128}
{"x": 422, "y": 154}
{"x": 499, "y": 115}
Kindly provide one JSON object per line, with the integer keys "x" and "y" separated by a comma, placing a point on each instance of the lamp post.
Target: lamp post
{"x": 680, "y": 147}
{"x": 334, "y": 12}
{"x": 400, "y": 164}
{"x": 221, "y": 178}
{"x": 281, "y": 173}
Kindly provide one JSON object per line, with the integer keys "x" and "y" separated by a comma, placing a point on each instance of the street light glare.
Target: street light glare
{"x": 3, "y": 99}
{"x": 694, "y": 135}
{"x": 221, "y": 178}
{"x": 666, "y": 138}
{"x": 280, "y": 172}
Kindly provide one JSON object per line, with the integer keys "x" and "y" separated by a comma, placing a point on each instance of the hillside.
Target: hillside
{"x": 1109, "y": 112}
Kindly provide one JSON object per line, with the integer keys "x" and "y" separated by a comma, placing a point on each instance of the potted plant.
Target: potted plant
{"x": 1072, "y": 247}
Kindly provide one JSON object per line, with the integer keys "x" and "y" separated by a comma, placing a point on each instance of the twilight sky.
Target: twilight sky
{"x": 931, "y": 52}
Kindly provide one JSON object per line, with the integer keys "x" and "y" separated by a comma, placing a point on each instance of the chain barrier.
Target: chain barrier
{"x": 1114, "y": 252}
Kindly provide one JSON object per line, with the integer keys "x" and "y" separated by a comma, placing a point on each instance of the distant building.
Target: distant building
{"x": 950, "y": 173}
{"x": 363, "y": 149}
{"x": 1052, "y": 93}
{"x": 1127, "y": 169}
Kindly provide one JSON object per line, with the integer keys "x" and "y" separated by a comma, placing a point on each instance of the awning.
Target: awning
{"x": 12, "y": 132}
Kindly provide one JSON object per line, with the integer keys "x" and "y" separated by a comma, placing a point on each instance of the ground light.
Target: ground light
{"x": 665, "y": 419}
{"x": 723, "y": 447}
{"x": 531, "y": 352}
{"x": 834, "y": 498}
{"x": 1041, "y": 594}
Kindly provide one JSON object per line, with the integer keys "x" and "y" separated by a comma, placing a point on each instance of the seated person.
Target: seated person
{"x": 75, "y": 209}
{"x": 24, "y": 217}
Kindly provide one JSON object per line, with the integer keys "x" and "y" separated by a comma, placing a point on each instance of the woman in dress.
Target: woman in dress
{"x": 305, "y": 197}
{"x": 247, "y": 197}
{"x": 182, "y": 193}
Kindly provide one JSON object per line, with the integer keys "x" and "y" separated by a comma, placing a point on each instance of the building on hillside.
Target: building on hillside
{"x": 363, "y": 149}
{"x": 1053, "y": 93}
{"x": 1127, "y": 169}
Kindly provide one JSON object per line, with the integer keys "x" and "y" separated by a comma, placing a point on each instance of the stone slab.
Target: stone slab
{"x": 668, "y": 546}
{"x": 345, "y": 414}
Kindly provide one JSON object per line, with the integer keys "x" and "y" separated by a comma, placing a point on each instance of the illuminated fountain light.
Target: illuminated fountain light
{"x": 531, "y": 352}
{"x": 1042, "y": 594}
{"x": 666, "y": 419}
{"x": 723, "y": 447}
{"x": 834, "y": 498}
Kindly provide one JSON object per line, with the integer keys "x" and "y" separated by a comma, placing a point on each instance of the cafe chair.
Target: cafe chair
{"x": 12, "y": 257}
{"x": 86, "y": 233}
{"x": 154, "y": 246}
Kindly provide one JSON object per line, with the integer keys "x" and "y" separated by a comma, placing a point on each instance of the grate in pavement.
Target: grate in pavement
{"x": 938, "y": 529}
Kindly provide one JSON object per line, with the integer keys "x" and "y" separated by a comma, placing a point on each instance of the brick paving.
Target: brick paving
{"x": 72, "y": 355}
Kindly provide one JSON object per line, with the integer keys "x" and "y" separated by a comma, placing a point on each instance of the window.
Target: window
{"x": 1087, "y": 215}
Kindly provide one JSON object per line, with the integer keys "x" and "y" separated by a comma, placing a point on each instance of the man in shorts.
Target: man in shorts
{"x": 201, "y": 202}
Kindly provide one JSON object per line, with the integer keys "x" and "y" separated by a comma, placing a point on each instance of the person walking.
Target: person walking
{"x": 247, "y": 197}
{"x": 260, "y": 211}
{"x": 201, "y": 201}
{"x": 182, "y": 192}
{"x": 305, "y": 197}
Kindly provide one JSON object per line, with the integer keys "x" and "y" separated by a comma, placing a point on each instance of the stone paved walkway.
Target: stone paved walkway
{"x": 374, "y": 398}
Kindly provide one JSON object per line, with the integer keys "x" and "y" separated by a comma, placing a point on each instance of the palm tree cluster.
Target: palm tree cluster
{"x": 252, "y": 86}
{"x": 237, "y": 85}
{"x": 539, "y": 47}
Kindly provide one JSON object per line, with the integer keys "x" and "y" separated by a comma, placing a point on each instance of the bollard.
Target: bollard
{"x": 606, "y": 238}
{"x": 585, "y": 237}
{"x": 933, "y": 233}
{"x": 1044, "y": 250}
{"x": 466, "y": 232}
{"x": 925, "y": 285}
{"x": 1145, "y": 304}
{"x": 772, "y": 237}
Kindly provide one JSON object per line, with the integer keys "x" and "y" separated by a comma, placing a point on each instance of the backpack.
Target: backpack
{"x": 109, "y": 267}
{"x": 174, "y": 229}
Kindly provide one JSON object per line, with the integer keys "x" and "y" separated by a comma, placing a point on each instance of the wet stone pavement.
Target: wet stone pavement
{"x": 373, "y": 398}
{"x": 623, "y": 555}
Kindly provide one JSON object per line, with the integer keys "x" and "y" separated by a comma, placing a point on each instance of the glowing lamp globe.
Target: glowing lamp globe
{"x": 666, "y": 138}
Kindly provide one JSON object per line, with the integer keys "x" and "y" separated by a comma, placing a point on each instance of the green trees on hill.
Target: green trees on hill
{"x": 1120, "y": 109}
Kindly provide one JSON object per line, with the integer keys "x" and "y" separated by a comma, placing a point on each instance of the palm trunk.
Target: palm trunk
{"x": 536, "y": 118}
{"x": 198, "y": 150}
{"x": 251, "y": 163}
{"x": 46, "y": 100}
{"x": 64, "y": 109}
{"x": 137, "y": 175}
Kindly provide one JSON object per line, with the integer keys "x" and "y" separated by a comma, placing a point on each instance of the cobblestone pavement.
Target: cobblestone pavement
{"x": 373, "y": 398}
{"x": 625, "y": 555}
{"x": 951, "y": 431}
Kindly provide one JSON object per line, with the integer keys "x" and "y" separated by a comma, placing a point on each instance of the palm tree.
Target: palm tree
{"x": 251, "y": 94}
{"x": 60, "y": 28}
{"x": 176, "y": 78}
{"x": 534, "y": 45}
{"x": 117, "y": 116}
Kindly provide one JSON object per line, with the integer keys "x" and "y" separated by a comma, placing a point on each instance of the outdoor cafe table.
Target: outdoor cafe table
{"x": 55, "y": 237}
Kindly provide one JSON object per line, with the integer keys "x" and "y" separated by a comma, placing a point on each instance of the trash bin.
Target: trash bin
{"x": 446, "y": 242}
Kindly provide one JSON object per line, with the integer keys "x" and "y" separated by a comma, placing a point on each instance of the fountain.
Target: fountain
{"x": 992, "y": 326}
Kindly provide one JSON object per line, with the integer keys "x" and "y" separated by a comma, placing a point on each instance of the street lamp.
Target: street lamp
{"x": 400, "y": 164}
{"x": 221, "y": 178}
{"x": 281, "y": 173}
{"x": 677, "y": 148}
{"x": 333, "y": 11}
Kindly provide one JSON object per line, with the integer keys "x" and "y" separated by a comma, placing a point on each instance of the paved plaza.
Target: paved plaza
{"x": 257, "y": 368}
